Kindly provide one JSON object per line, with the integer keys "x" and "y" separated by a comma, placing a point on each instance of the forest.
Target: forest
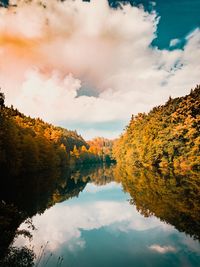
{"x": 167, "y": 137}
{"x": 30, "y": 145}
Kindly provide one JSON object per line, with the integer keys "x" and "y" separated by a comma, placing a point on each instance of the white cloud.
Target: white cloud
{"x": 162, "y": 249}
{"x": 174, "y": 42}
{"x": 92, "y": 188}
{"x": 67, "y": 219}
{"x": 89, "y": 43}
{"x": 62, "y": 224}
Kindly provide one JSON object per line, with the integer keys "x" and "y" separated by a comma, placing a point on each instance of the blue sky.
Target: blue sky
{"x": 177, "y": 19}
{"x": 87, "y": 66}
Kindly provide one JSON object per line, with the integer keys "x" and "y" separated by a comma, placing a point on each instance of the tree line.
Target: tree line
{"x": 30, "y": 145}
{"x": 168, "y": 136}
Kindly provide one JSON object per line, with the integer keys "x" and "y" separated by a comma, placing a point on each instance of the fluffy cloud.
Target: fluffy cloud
{"x": 62, "y": 224}
{"x": 162, "y": 249}
{"x": 67, "y": 220}
{"x": 92, "y": 188}
{"x": 53, "y": 50}
{"x": 174, "y": 42}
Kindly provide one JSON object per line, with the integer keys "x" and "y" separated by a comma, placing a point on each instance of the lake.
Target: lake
{"x": 108, "y": 216}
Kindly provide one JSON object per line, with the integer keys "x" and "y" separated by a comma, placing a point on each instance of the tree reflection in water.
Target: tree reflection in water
{"x": 24, "y": 196}
{"x": 174, "y": 198}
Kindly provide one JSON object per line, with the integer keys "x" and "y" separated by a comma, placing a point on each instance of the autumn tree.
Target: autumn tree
{"x": 168, "y": 136}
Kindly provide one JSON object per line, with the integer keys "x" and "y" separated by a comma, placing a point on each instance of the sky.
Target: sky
{"x": 89, "y": 65}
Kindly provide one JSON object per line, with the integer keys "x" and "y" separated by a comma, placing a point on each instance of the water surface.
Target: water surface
{"x": 102, "y": 217}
